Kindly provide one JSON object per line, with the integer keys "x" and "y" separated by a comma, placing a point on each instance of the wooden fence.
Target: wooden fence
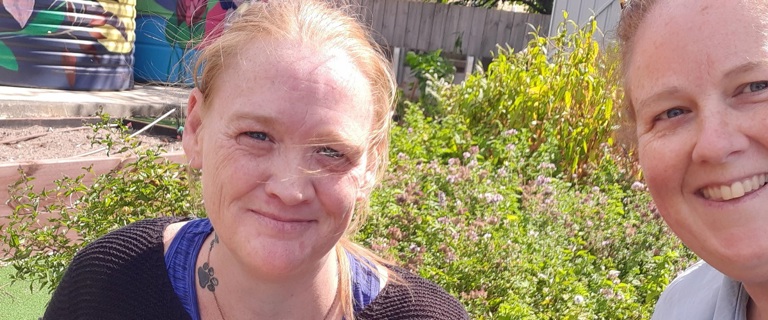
{"x": 605, "y": 12}
{"x": 469, "y": 31}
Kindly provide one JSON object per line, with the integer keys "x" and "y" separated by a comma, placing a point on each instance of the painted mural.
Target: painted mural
{"x": 67, "y": 44}
{"x": 169, "y": 32}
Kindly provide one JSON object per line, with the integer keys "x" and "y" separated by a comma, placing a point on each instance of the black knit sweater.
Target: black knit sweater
{"x": 123, "y": 276}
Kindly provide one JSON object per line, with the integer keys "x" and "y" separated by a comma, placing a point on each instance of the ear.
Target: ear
{"x": 193, "y": 147}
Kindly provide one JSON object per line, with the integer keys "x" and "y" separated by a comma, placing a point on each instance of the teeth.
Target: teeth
{"x": 755, "y": 183}
{"x": 715, "y": 193}
{"x": 726, "y": 192}
{"x": 736, "y": 190}
{"x": 748, "y": 186}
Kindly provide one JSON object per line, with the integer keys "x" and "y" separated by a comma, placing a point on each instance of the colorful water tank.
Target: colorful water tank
{"x": 67, "y": 44}
{"x": 168, "y": 33}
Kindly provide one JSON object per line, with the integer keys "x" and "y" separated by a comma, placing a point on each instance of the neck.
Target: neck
{"x": 245, "y": 294}
{"x": 757, "y": 308}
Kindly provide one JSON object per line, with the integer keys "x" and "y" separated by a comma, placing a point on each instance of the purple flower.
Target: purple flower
{"x": 441, "y": 198}
{"x": 547, "y": 165}
{"x": 493, "y": 197}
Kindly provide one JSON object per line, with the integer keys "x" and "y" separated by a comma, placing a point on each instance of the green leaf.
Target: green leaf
{"x": 153, "y": 8}
{"x": 7, "y": 59}
{"x": 15, "y": 241}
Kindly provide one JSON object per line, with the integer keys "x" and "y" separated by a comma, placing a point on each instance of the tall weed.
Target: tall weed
{"x": 560, "y": 89}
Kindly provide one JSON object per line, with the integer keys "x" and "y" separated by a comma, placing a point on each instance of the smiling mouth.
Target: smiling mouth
{"x": 736, "y": 190}
{"x": 280, "y": 219}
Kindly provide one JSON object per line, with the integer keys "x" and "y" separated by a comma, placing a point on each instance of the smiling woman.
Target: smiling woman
{"x": 696, "y": 79}
{"x": 291, "y": 134}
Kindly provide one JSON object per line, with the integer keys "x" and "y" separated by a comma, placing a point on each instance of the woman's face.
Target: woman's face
{"x": 698, "y": 80}
{"x": 283, "y": 147}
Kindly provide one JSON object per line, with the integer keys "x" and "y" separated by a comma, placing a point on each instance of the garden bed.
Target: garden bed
{"x": 50, "y": 150}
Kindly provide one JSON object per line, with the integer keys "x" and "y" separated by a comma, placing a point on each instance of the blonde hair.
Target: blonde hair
{"x": 325, "y": 25}
{"x": 632, "y": 16}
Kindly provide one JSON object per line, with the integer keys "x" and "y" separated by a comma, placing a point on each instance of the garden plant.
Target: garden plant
{"x": 508, "y": 191}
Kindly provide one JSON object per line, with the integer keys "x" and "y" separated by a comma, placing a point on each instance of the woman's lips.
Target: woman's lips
{"x": 279, "y": 218}
{"x": 283, "y": 224}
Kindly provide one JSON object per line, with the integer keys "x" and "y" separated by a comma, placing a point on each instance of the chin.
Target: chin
{"x": 744, "y": 262}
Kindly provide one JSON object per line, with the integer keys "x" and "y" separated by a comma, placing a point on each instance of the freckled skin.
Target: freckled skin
{"x": 277, "y": 202}
{"x": 685, "y": 64}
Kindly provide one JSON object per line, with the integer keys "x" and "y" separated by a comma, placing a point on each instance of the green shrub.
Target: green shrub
{"x": 558, "y": 88}
{"x": 431, "y": 71}
{"x": 546, "y": 249}
{"x": 47, "y": 227}
{"x": 429, "y": 63}
{"x": 515, "y": 200}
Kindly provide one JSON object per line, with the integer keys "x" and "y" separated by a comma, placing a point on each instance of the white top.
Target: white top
{"x": 701, "y": 292}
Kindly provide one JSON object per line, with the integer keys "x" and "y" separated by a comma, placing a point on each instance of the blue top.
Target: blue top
{"x": 182, "y": 254}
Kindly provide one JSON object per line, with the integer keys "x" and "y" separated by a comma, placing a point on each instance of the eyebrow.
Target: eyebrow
{"x": 263, "y": 120}
{"x": 671, "y": 91}
{"x": 337, "y": 138}
{"x": 746, "y": 67}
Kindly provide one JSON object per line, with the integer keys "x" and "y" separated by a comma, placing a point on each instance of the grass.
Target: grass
{"x": 16, "y": 301}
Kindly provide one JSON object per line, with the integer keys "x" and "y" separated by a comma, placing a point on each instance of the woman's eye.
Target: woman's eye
{"x": 257, "y": 135}
{"x": 330, "y": 152}
{"x": 756, "y": 86}
{"x": 671, "y": 113}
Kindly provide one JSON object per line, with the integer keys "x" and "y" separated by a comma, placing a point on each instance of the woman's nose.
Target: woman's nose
{"x": 289, "y": 181}
{"x": 720, "y": 136}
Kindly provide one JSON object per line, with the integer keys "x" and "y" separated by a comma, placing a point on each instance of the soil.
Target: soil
{"x": 59, "y": 143}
